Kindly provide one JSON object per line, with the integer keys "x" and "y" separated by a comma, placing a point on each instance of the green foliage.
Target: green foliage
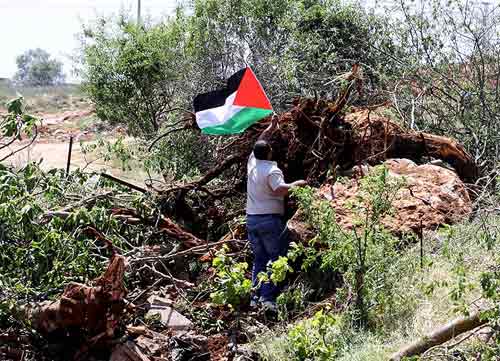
{"x": 364, "y": 254}
{"x": 232, "y": 284}
{"x": 137, "y": 75}
{"x": 133, "y": 74}
{"x": 488, "y": 280}
{"x": 276, "y": 271}
{"x": 16, "y": 122}
{"x": 181, "y": 157}
{"x": 295, "y": 47}
{"x": 292, "y": 300}
{"x": 422, "y": 298}
{"x": 39, "y": 257}
{"x": 37, "y": 68}
{"x": 319, "y": 338}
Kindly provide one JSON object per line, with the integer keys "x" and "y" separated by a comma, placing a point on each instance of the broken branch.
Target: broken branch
{"x": 441, "y": 335}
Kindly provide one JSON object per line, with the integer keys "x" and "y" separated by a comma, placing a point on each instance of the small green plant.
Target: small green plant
{"x": 318, "y": 338}
{"x": 232, "y": 283}
{"x": 292, "y": 300}
{"x": 276, "y": 271}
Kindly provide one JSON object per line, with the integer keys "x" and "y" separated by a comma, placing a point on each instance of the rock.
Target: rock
{"x": 168, "y": 316}
{"x": 192, "y": 338}
{"x": 181, "y": 350}
{"x": 157, "y": 301}
{"x": 245, "y": 353}
{"x": 137, "y": 330}
{"x": 128, "y": 352}
{"x": 149, "y": 345}
{"x": 432, "y": 196}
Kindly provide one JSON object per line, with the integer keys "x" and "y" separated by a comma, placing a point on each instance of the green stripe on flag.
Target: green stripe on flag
{"x": 238, "y": 122}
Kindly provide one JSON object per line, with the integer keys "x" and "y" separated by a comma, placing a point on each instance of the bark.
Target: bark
{"x": 187, "y": 239}
{"x": 414, "y": 145}
{"x": 87, "y": 316}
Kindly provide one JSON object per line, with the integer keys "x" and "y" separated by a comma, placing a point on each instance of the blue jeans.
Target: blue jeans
{"x": 269, "y": 239}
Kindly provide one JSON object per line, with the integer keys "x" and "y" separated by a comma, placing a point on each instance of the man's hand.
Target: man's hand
{"x": 268, "y": 132}
{"x": 284, "y": 188}
{"x": 299, "y": 183}
{"x": 275, "y": 122}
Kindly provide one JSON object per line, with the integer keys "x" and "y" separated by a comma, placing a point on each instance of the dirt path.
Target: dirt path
{"x": 52, "y": 146}
{"x": 55, "y": 155}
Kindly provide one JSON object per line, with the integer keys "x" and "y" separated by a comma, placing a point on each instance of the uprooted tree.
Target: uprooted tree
{"x": 316, "y": 139}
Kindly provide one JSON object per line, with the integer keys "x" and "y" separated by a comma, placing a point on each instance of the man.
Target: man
{"x": 266, "y": 191}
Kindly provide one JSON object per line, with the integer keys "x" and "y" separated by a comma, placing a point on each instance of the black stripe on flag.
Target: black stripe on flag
{"x": 218, "y": 97}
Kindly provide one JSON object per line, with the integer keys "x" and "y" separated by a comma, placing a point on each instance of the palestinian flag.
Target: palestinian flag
{"x": 232, "y": 109}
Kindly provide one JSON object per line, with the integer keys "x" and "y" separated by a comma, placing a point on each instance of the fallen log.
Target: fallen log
{"x": 415, "y": 144}
{"x": 209, "y": 176}
{"x": 315, "y": 138}
{"x": 376, "y": 138}
{"x": 441, "y": 335}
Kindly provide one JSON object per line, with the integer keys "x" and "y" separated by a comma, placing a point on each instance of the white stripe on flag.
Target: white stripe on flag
{"x": 219, "y": 115}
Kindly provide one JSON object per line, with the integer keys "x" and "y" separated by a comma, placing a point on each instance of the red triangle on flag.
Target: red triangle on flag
{"x": 250, "y": 93}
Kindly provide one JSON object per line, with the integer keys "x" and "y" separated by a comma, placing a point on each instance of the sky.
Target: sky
{"x": 53, "y": 24}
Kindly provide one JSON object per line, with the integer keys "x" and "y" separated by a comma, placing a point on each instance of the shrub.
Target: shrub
{"x": 364, "y": 254}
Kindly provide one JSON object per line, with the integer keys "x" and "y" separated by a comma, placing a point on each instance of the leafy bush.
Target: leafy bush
{"x": 139, "y": 75}
{"x": 232, "y": 284}
{"x": 318, "y": 338}
{"x": 38, "y": 256}
{"x": 133, "y": 75}
{"x": 362, "y": 255}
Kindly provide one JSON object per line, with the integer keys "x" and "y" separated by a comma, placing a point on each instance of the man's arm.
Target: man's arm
{"x": 283, "y": 189}
{"x": 278, "y": 185}
{"x": 268, "y": 132}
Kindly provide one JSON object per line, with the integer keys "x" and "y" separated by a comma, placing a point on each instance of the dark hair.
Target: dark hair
{"x": 261, "y": 149}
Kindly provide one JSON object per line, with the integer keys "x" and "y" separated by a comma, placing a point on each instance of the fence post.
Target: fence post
{"x": 69, "y": 155}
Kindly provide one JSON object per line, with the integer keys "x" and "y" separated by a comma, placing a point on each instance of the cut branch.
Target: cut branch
{"x": 210, "y": 175}
{"x": 167, "y": 133}
{"x": 441, "y": 335}
{"x": 124, "y": 183}
{"x": 175, "y": 231}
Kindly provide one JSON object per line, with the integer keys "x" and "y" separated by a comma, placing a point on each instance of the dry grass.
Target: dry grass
{"x": 48, "y": 99}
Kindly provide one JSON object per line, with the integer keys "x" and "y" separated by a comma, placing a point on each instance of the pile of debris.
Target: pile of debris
{"x": 318, "y": 139}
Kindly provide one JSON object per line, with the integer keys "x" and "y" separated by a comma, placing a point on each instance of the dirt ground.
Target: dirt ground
{"x": 52, "y": 145}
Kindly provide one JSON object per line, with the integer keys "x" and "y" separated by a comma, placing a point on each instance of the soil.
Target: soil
{"x": 52, "y": 144}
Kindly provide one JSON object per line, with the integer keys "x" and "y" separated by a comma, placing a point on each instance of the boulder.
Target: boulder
{"x": 433, "y": 195}
{"x": 160, "y": 307}
{"x": 128, "y": 352}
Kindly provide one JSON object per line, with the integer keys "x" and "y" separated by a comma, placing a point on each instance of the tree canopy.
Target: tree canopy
{"x": 139, "y": 75}
{"x": 37, "y": 68}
